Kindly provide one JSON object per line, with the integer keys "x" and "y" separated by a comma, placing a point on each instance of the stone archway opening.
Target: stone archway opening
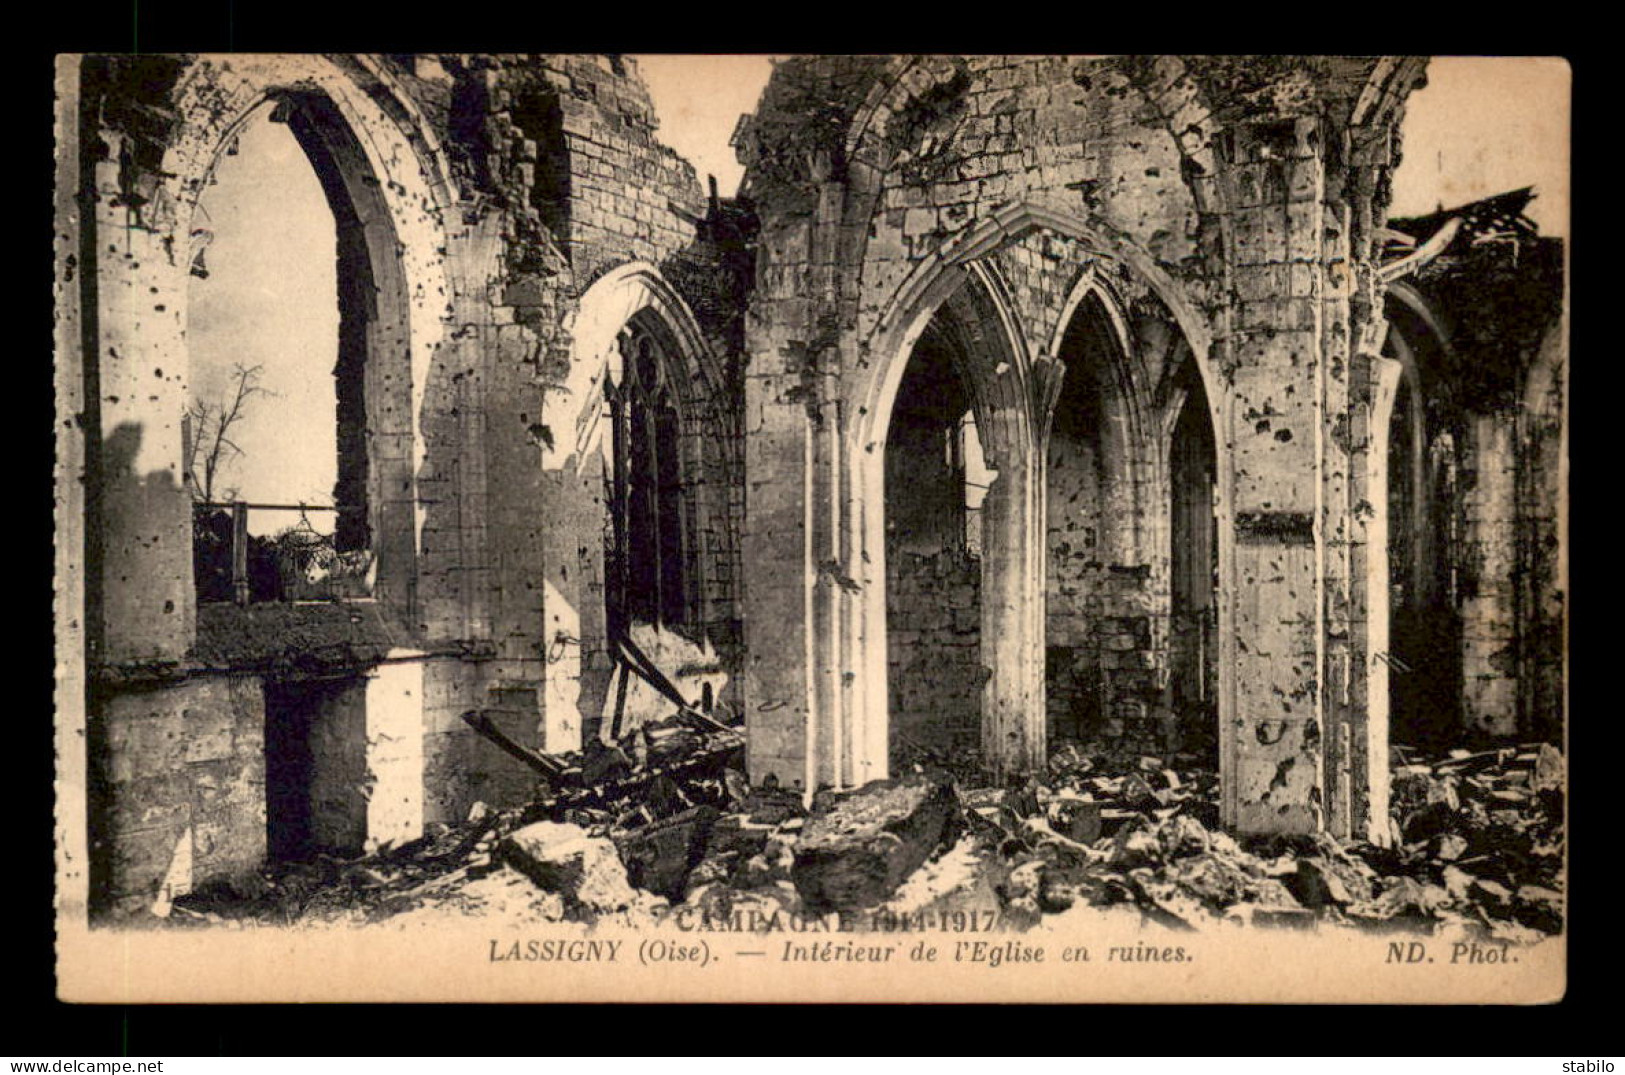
{"x": 1422, "y": 659}
{"x": 367, "y": 184}
{"x": 936, "y": 484}
{"x": 1193, "y": 566}
{"x": 274, "y": 419}
{"x": 297, "y": 449}
{"x": 657, "y": 559}
{"x": 639, "y": 600}
{"x": 1101, "y": 633}
{"x": 949, "y": 363}
{"x": 299, "y": 424}
{"x": 648, "y": 551}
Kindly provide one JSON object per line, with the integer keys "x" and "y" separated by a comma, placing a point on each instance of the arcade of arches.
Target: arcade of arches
{"x": 1022, "y": 401}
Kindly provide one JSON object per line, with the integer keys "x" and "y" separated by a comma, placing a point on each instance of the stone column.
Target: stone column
{"x": 71, "y": 443}
{"x": 1372, "y": 566}
{"x": 1014, "y": 718}
{"x": 1300, "y": 313}
{"x": 777, "y": 541}
{"x": 394, "y": 749}
{"x": 138, "y": 512}
{"x": 1489, "y": 601}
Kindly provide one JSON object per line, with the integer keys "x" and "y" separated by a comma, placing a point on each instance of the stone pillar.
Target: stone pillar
{"x": 182, "y": 797}
{"x": 68, "y": 576}
{"x": 1014, "y": 716}
{"x": 1489, "y": 585}
{"x": 138, "y": 512}
{"x": 1542, "y": 505}
{"x": 570, "y": 550}
{"x": 777, "y": 540}
{"x": 395, "y": 727}
{"x": 1372, "y": 565}
{"x": 1298, "y": 752}
{"x": 780, "y": 563}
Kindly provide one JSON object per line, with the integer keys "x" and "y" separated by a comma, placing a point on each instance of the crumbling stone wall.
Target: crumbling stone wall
{"x": 1077, "y": 572}
{"x": 934, "y": 665}
{"x": 1107, "y": 600}
{"x": 1244, "y": 195}
{"x": 149, "y": 131}
{"x": 1487, "y": 326}
{"x": 928, "y": 158}
{"x": 491, "y": 193}
{"x": 1488, "y": 588}
{"x": 178, "y": 773}
{"x": 1511, "y": 587}
{"x": 935, "y": 674}
{"x": 589, "y": 190}
{"x": 1095, "y": 240}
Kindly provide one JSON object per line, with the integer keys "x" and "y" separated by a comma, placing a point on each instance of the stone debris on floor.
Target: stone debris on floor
{"x": 668, "y": 819}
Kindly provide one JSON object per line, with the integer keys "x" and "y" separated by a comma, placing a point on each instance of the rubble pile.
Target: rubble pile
{"x": 638, "y": 812}
{"x": 1487, "y": 828}
{"x": 1477, "y": 842}
{"x": 666, "y": 818}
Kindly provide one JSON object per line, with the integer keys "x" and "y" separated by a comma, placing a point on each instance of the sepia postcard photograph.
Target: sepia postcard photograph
{"x": 746, "y": 528}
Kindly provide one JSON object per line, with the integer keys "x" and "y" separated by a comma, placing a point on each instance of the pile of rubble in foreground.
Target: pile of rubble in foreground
{"x": 1478, "y": 843}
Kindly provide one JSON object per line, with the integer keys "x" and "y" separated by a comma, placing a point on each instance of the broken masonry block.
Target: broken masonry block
{"x": 585, "y": 870}
{"x": 1138, "y": 793}
{"x": 1433, "y": 819}
{"x": 1323, "y": 880}
{"x": 1538, "y": 908}
{"x": 1182, "y": 835}
{"x": 605, "y": 764}
{"x": 773, "y": 865}
{"x": 1022, "y": 799}
{"x": 1550, "y": 772}
{"x": 1405, "y": 897}
{"x": 856, "y": 854}
{"x": 1217, "y": 882}
{"x": 660, "y": 856}
{"x": 1076, "y": 819}
{"x": 772, "y": 805}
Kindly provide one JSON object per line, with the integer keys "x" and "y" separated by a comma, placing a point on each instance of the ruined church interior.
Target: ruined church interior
{"x": 1070, "y": 469}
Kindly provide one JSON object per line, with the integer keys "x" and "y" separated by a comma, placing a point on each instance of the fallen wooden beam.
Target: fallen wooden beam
{"x": 707, "y": 721}
{"x": 547, "y": 766}
{"x": 635, "y": 788}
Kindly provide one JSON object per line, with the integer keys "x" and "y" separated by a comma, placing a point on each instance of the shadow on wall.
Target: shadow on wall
{"x": 135, "y": 524}
{"x": 138, "y": 552}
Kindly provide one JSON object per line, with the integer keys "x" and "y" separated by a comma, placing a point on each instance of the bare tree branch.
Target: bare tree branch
{"x": 213, "y": 446}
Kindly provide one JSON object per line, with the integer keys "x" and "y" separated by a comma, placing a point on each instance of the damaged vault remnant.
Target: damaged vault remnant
{"x": 1166, "y": 230}
{"x": 1017, "y": 409}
